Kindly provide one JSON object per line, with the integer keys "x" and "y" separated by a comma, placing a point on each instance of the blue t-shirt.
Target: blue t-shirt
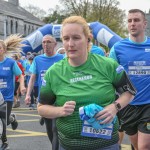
{"x": 97, "y": 50}
{"x": 28, "y": 74}
{"x": 23, "y": 63}
{"x": 135, "y": 58}
{"x": 41, "y": 63}
{"x": 8, "y": 70}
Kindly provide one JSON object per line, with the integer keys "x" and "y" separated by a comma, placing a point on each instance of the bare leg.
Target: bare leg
{"x": 134, "y": 141}
{"x": 143, "y": 141}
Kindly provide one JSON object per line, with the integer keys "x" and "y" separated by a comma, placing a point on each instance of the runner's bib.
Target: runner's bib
{"x": 139, "y": 68}
{"x": 89, "y": 131}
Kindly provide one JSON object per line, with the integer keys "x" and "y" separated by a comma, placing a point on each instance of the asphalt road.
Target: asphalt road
{"x": 30, "y": 135}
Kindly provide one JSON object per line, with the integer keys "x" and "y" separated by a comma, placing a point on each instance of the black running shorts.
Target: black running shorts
{"x": 135, "y": 118}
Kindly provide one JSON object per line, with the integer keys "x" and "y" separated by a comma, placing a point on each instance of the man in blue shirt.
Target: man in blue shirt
{"x": 133, "y": 54}
{"x": 38, "y": 68}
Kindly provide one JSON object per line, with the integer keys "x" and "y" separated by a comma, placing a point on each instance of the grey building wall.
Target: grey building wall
{"x": 15, "y": 19}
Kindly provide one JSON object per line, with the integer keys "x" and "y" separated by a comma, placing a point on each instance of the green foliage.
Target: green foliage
{"x": 103, "y": 11}
{"x": 106, "y": 12}
{"x": 54, "y": 18}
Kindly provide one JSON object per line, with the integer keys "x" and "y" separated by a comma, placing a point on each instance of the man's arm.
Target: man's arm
{"x": 22, "y": 86}
{"x": 30, "y": 88}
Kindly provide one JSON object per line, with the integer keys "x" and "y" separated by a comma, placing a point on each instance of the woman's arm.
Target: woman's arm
{"x": 50, "y": 111}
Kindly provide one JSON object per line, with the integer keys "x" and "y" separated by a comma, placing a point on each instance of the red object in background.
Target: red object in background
{"x": 22, "y": 69}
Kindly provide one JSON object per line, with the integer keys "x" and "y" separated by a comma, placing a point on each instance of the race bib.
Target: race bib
{"x": 139, "y": 68}
{"x": 89, "y": 131}
{"x": 3, "y": 84}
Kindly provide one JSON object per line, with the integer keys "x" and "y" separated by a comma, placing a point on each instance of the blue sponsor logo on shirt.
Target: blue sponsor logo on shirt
{"x": 119, "y": 69}
{"x": 147, "y": 50}
{"x": 43, "y": 82}
{"x": 6, "y": 68}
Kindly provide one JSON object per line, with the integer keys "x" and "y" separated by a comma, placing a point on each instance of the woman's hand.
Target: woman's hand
{"x": 107, "y": 114}
{"x": 68, "y": 108}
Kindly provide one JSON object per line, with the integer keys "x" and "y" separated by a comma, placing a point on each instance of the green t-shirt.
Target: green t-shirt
{"x": 92, "y": 82}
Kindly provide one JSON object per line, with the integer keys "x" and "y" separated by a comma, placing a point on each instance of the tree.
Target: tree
{"x": 55, "y": 16}
{"x": 76, "y": 7}
{"x": 36, "y": 11}
{"x": 108, "y": 13}
{"x": 103, "y": 11}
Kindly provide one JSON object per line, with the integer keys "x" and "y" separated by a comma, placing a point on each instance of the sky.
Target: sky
{"x": 124, "y": 4}
{"x": 43, "y": 4}
{"x": 130, "y": 4}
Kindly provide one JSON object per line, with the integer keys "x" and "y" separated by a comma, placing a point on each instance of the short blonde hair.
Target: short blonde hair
{"x": 81, "y": 21}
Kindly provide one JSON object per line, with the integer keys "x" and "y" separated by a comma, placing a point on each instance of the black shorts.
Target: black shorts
{"x": 35, "y": 91}
{"x": 16, "y": 87}
{"x": 135, "y": 118}
{"x": 119, "y": 117}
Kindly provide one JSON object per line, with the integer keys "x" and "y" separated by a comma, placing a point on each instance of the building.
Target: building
{"x": 15, "y": 19}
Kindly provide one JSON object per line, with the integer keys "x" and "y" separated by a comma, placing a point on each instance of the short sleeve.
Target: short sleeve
{"x": 46, "y": 94}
